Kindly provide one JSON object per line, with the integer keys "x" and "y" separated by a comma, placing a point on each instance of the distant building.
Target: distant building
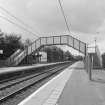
{"x": 41, "y": 57}
{"x": 95, "y": 57}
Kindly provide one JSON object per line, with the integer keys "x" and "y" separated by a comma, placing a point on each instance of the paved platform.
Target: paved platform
{"x": 79, "y": 90}
{"x": 71, "y": 87}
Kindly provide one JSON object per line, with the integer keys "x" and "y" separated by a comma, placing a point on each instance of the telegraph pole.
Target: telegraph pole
{"x": 95, "y": 43}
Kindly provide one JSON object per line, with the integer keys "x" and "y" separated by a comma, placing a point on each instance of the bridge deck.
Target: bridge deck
{"x": 71, "y": 87}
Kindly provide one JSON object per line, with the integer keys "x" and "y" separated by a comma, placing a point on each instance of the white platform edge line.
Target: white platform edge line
{"x": 42, "y": 87}
{"x": 58, "y": 93}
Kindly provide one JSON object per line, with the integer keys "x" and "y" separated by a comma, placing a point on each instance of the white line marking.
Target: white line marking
{"x": 41, "y": 88}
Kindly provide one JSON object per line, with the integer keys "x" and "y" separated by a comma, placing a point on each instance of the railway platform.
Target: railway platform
{"x": 16, "y": 68}
{"x": 23, "y": 67}
{"x": 71, "y": 87}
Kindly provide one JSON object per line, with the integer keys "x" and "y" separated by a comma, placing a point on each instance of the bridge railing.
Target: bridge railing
{"x": 12, "y": 57}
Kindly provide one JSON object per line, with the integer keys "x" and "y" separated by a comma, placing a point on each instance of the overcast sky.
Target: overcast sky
{"x": 86, "y": 18}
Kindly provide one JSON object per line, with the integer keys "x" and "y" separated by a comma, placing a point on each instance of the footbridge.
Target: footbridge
{"x": 58, "y": 40}
{"x": 48, "y": 41}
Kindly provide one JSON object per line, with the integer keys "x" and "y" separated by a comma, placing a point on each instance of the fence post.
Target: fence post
{"x": 89, "y": 66}
{"x": 86, "y": 59}
{"x": 27, "y": 54}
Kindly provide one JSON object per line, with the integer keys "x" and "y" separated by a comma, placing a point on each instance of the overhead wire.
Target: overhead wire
{"x": 14, "y": 16}
{"x": 17, "y": 25}
{"x": 19, "y": 20}
{"x": 26, "y": 25}
{"x": 63, "y": 13}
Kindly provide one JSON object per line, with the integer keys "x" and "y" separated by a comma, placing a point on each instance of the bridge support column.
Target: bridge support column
{"x": 27, "y": 56}
{"x": 89, "y": 67}
{"x": 88, "y": 63}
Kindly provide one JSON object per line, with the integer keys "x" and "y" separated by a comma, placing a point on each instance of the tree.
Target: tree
{"x": 1, "y": 33}
{"x": 103, "y": 60}
{"x": 1, "y": 37}
{"x": 48, "y": 50}
{"x": 54, "y": 54}
{"x": 9, "y": 44}
{"x": 27, "y": 42}
{"x": 78, "y": 57}
{"x": 14, "y": 42}
{"x": 68, "y": 56}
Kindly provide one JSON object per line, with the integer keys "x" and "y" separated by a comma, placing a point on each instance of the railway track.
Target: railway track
{"x": 13, "y": 81}
{"x": 16, "y": 86}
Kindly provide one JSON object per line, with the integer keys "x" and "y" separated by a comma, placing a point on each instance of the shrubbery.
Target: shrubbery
{"x": 103, "y": 60}
{"x": 9, "y": 43}
{"x": 55, "y": 54}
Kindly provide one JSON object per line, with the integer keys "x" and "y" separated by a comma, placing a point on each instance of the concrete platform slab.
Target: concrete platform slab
{"x": 79, "y": 90}
{"x": 49, "y": 93}
{"x": 71, "y": 87}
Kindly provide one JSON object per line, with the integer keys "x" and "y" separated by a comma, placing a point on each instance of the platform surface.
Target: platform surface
{"x": 71, "y": 87}
{"x": 79, "y": 90}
